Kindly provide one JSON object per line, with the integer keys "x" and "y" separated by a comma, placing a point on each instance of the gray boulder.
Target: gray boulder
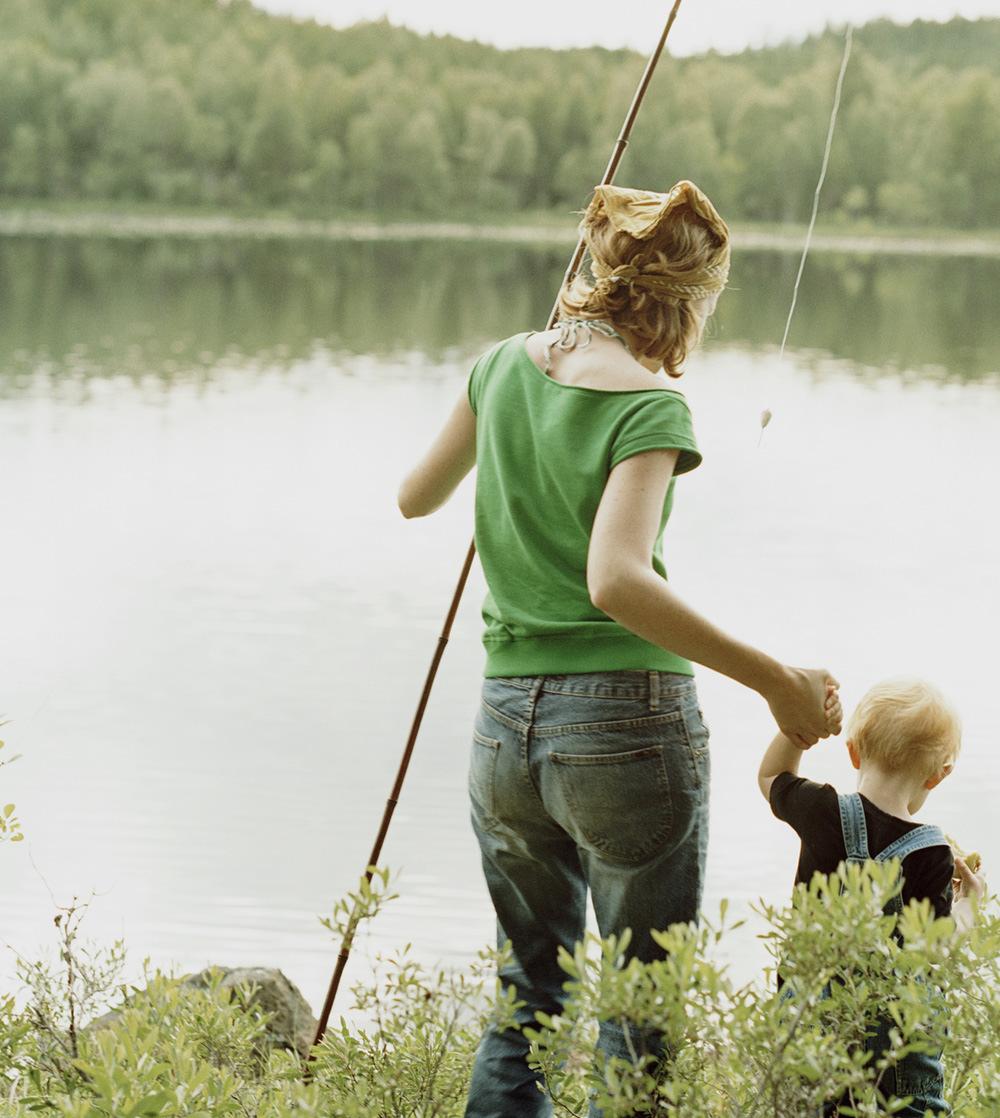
{"x": 291, "y": 1025}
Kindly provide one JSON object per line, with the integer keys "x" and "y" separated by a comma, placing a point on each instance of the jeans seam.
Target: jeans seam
{"x": 525, "y": 756}
{"x": 676, "y": 691}
{"x": 607, "y": 690}
{"x": 641, "y": 722}
{"x": 695, "y": 755}
{"x": 584, "y": 759}
{"x": 505, "y": 719}
{"x": 583, "y": 727}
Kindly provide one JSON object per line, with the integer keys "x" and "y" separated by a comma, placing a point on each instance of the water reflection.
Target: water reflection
{"x": 217, "y": 624}
{"x": 928, "y": 315}
{"x": 180, "y": 309}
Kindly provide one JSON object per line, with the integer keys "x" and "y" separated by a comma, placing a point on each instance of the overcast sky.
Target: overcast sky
{"x": 725, "y": 25}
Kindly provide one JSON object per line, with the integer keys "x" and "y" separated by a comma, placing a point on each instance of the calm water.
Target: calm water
{"x": 216, "y": 624}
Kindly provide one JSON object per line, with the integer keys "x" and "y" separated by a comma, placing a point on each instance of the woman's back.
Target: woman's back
{"x": 544, "y": 450}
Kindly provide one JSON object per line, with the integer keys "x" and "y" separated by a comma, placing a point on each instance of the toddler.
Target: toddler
{"x": 904, "y": 739}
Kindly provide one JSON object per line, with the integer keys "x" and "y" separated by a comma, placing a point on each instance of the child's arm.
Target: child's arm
{"x": 784, "y": 756}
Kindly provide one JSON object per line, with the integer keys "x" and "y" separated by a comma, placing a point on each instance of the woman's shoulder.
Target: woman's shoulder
{"x": 506, "y": 349}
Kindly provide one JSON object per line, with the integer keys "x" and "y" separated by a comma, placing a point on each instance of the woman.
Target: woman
{"x": 590, "y": 762}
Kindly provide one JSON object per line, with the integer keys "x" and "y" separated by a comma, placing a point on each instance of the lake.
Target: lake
{"x": 216, "y": 624}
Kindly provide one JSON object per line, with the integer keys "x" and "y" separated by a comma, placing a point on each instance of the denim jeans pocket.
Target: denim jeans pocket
{"x": 920, "y": 1077}
{"x": 482, "y": 772}
{"x": 619, "y": 803}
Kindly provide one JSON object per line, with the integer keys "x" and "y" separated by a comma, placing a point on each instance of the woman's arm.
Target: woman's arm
{"x": 623, "y": 584}
{"x": 437, "y": 475}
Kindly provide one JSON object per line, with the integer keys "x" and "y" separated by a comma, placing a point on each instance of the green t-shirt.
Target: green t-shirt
{"x": 543, "y": 454}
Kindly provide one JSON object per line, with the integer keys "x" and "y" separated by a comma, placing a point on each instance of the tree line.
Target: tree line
{"x": 206, "y": 102}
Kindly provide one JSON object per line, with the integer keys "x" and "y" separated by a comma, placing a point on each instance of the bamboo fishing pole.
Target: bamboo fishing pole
{"x": 609, "y": 173}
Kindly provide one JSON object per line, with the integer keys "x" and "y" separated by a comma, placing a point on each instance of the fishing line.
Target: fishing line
{"x": 848, "y": 42}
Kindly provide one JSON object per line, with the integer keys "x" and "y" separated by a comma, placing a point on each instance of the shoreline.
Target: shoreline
{"x": 40, "y": 222}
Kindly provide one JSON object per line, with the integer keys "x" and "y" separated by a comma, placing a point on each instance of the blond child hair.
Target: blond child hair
{"x": 906, "y": 725}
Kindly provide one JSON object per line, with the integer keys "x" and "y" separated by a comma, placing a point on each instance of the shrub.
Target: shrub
{"x": 741, "y": 1051}
{"x": 738, "y": 1051}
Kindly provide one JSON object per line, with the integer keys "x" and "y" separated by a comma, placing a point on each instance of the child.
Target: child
{"x": 903, "y": 739}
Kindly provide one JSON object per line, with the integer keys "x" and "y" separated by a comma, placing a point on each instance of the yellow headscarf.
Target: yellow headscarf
{"x": 641, "y": 214}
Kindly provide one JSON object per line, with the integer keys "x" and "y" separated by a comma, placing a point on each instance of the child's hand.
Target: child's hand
{"x": 834, "y": 711}
{"x": 965, "y": 883}
{"x": 798, "y": 704}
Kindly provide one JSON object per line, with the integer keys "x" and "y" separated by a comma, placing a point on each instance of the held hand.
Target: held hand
{"x": 834, "y": 711}
{"x": 805, "y": 705}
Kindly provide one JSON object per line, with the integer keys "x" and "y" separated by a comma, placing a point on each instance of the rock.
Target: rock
{"x": 292, "y": 1025}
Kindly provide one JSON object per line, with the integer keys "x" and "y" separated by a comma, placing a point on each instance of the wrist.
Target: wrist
{"x": 769, "y": 677}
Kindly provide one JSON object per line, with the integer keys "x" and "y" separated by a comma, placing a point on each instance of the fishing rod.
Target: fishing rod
{"x": 609, "y": 173}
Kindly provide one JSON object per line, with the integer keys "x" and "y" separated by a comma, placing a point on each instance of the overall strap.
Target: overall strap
{"x": 918, "y": 839}
{"x": 853, "y": 826}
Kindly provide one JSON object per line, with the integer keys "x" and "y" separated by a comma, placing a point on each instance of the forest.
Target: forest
{"x": 203, "y": 103}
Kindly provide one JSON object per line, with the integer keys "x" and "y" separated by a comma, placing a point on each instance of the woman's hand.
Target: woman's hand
{"x": 805, "y": 705}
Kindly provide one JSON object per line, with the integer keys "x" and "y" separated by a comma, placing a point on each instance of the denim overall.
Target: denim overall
{"x": 919, "y": 1074}
{"x": 592, "y": 780}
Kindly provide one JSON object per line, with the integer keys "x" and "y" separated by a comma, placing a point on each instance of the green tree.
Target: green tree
{"x": 515, "y": 156}
{"x": 23, "y": 172}
{"x": 223, "y": 103}
{"x": 275, "y": 145}
{"x": 479, "y": 154}
{"x": 325, "y": 181}
{"x": 970, "y": 144}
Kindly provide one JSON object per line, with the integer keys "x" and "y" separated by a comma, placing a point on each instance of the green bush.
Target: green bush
{"x": 738, "y": 1051}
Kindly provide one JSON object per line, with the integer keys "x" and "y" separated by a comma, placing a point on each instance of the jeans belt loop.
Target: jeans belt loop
{"x": 536, "y": 688}
{"x": 654, "y": 690}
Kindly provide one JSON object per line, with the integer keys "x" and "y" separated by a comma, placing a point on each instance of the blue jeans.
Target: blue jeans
{"x": 595, "y": 780}
{"x": 918, "y": 1075}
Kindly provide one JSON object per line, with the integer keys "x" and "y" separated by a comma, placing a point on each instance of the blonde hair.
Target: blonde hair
{"x": 906, "y": 725}
{"x": 662, "y": 326}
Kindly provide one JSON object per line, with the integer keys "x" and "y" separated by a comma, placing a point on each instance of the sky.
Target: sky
{"x": 724, "y": 25}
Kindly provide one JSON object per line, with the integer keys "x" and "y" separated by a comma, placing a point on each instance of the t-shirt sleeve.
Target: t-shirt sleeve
{"x": 661, "y": 422}
{"x": 473, "y": 384}
{"x": 943, "y": 897}
{"x": 801, "y": 803}
{"x": 928, "y": 874}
